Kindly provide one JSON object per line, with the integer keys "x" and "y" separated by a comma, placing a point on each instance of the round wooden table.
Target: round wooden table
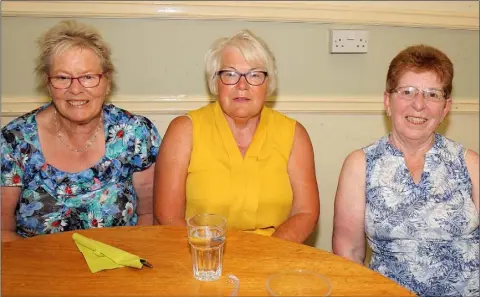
{"x": 53, "y": 266}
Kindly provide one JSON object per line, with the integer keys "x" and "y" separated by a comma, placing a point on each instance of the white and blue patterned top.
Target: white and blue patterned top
{"x": 424, "y": 236}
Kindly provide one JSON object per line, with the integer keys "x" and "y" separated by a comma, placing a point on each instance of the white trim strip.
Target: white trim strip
{"x": 13, "y": 106}
{"x": 444, "y": 14}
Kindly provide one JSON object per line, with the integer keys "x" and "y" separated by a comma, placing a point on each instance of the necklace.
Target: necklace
{"x": 89, "y": 142}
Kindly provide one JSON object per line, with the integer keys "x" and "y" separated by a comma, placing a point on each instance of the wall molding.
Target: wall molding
{"x": 149, "y": 105}
{"x": 444, "y": 14}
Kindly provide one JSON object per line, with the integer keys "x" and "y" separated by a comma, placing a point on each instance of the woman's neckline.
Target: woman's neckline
{"x": 40, "y": 150}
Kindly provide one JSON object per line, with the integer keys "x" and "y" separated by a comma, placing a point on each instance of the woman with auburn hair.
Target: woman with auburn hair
{"x": 414, "y": 194}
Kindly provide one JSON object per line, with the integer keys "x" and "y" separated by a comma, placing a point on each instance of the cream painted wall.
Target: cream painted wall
{"x": 164, "y": 58}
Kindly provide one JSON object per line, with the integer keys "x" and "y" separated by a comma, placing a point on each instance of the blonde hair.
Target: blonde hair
{"x": 252, "y": 48}
{"x": 65, "y": 36}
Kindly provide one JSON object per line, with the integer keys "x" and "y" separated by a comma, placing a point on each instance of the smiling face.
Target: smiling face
{"x": 416, "y": 119}
{"x": 241, "y": 100}
{"x": 76, "y": 103}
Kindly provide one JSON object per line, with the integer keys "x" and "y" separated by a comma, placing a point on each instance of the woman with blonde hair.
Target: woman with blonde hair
{"x": 236, "y": 157}
{"x": 76, "y": 162}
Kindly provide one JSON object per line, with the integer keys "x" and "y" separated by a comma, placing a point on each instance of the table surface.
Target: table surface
{"x": 53, "y": 266}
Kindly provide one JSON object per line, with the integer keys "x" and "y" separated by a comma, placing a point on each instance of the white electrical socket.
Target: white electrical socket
{"x": 348, "y": 41}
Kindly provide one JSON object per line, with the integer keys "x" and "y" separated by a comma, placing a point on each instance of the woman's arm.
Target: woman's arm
{"x": 143, "y": 185}
{"x": 10, "y": 197}
{"x": 171, "y": 173}
{"x": 471, "y": 158}
{"x": 349, "y": 219}
{"x": 306, "y": 205}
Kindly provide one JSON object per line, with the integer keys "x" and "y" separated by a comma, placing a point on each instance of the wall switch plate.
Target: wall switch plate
{"x": 348, "y": 41}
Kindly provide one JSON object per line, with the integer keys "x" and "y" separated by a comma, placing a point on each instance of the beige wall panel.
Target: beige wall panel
{"x": 165, "y": 57}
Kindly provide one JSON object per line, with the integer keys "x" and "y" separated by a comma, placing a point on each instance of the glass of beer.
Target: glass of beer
{"x": 206, "y": 235}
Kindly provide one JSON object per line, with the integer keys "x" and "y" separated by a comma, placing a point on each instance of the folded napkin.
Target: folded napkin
{"x": 100, "y": 256}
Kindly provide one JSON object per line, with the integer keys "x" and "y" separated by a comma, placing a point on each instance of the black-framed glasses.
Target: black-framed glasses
{"x": 232, "y": 77}
{"x": 64, "y": 81}
{"x": 410, "y": 93}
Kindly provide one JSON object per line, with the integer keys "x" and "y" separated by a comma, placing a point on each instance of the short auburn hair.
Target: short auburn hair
{"x": 421, "y": 58}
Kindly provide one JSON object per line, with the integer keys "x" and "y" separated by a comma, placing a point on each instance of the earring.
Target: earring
{"x": 389, "y": 113}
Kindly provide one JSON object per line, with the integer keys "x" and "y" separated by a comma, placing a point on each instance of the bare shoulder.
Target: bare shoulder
{"x": 471, "y": 157}
{"x": 178, "y": 138}
{"x": 181, "y": 123}
{"x": 301, "y": 135}
{"x": 300, "y": 129}
{"x": 472, "y": 161}
{"x": 302, "y": 148}
{"x": 355, "y": 159}
{"x": 354, "y": 167}
{"x": 351, "y": 183}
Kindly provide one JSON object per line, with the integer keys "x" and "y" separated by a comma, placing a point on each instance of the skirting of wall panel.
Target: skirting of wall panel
{"x": 445, "y": 14}
{"x": 180, "y": 104}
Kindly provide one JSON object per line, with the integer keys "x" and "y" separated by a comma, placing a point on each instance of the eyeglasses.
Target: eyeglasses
{"x": 64, "y": 82}
{"x": 410, "y": 93}
{"x": 231, "y": 77}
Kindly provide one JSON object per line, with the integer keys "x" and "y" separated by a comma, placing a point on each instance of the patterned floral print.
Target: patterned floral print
{"x": 101, "y": 196}
{"x": 424, "y": 236}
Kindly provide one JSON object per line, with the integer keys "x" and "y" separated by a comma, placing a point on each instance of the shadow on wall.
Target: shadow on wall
{"x": 368, "y": 254}
{"x": 444, "y": 126}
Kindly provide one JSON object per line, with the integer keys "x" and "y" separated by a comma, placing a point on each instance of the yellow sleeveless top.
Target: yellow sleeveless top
{"x": 253, "y": 192}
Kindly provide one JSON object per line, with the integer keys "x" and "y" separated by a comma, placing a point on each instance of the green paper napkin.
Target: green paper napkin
{"x": 101, "y": 256}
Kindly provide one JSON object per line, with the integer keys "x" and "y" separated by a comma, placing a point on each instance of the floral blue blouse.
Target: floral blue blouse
{"x": 101, "y": 196}
{"x": 424, "y": 236}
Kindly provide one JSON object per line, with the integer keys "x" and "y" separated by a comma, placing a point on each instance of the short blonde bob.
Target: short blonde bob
{"x": 65, "y": 36}
{"x": 253, "y": 49}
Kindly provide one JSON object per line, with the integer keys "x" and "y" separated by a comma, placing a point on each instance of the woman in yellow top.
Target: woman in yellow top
{"x": 236, "y": 157}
